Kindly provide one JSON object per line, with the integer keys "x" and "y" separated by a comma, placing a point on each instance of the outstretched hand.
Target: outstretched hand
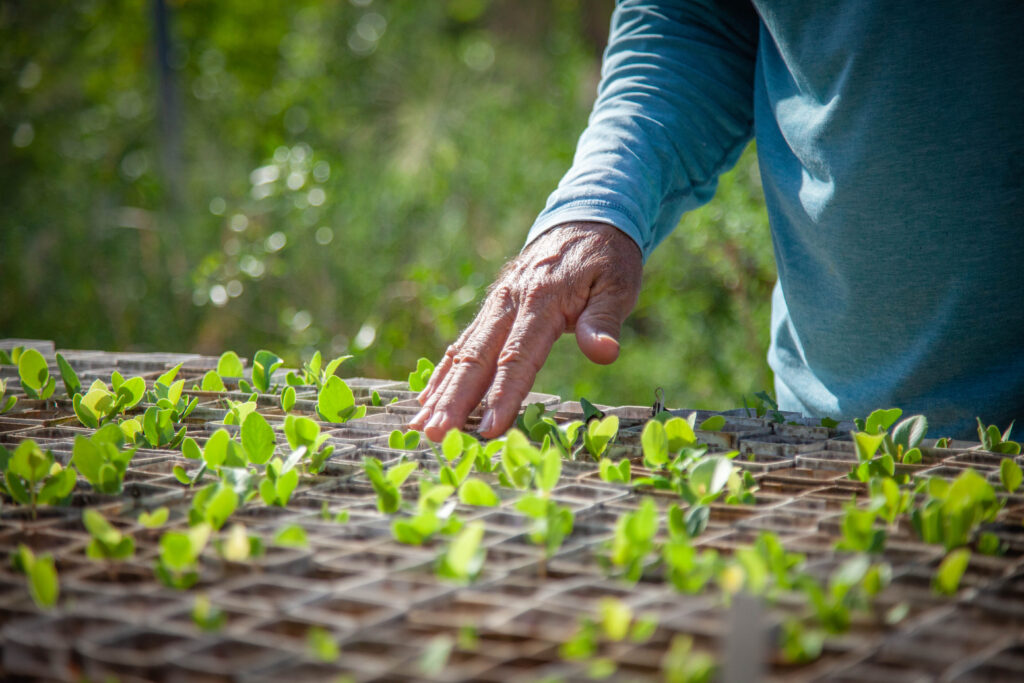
{"x": 582, "y": 277}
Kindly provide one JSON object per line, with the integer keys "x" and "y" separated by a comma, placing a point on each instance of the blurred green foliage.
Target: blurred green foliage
{"x": 346, "y": 176}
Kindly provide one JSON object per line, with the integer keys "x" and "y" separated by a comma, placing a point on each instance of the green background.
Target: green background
{"x": 342, "y": 176}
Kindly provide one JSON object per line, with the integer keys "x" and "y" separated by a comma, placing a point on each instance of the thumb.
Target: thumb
{"x": 599, "y": 326}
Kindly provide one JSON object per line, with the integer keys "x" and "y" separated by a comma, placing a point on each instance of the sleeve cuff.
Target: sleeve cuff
{"x": 593, "y": 212}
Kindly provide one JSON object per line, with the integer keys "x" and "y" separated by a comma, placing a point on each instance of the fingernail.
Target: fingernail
{"x": 487, "y": 421}
{"x": 420, "y": 416}
{"x": 435, "y": 422}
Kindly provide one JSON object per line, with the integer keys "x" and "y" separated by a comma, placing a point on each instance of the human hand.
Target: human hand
{"x": 582, "y": 277}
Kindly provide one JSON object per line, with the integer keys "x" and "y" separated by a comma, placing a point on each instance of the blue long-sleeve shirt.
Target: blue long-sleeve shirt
{"x": 891, "y": 147}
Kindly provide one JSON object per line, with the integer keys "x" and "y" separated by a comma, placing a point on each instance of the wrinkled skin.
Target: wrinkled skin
{"x": 576, "y": 277}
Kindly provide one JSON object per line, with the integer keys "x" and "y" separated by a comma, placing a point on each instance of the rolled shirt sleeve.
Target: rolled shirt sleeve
{"x": 674, "y": 110}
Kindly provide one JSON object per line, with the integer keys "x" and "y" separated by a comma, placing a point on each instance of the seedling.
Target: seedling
{"x": 859, "y": 532}
{"x": 326, "y": 515}
{"x": 687, "y": 569}
{"x": 551, "y": 523}
{"x": 322, "y": 645}
{"x": 302, "y": 432}
{"x": 403, "y": 441}
{"x": 952, "y": 512}
{"x": 947, "y": 578}
{"x": 239, "y": 410}
{"x": 314, "y": 372}
{"x": 1010, "y": 475}
{"x": 100, "y": 405}
{"x": 634, "y": 539}
{"x": 764, "y": 405}
{"x": 464, "y": 558}
{"x": 158, "y": 427}
{"x": 281, "y": 479}
{"x": 992, "y": 440}
{"x": 543, "y": 428}
{"x": 35, "y": 375}
{"x": 230, "y": 365}
{"x": 238, "y": 546}
{"x": 291, "y": 536}
{"x": 681, "y": 665}
{"x": 72, "y": 385}
{"x": 177, "y": 564}
{"x": 264, "y": 363}
{"x": 155, "y": 519}
{"x": 336, "y": 403}
{"x": 207, "y": 616}
{"x": 11, "y": 357}
{"x": 43, "y": 582}
{"x": 166, "y": 395}
{"x": 433, "y": 515}
{"x": 32, "y": 478}
{"x": 288, "y": 399}
{"x": 598, "y": 434}
{"x": 419, "y": 377}
{"x": 101, "y": 460}
{"x": 387, "y": 485}
{"x": 615, "y": 623}
{"x": 6, "y": 402}
{"x": 620, "y": 472}
{"x": 213, "y": 504}
{"x": 107, "y": 542}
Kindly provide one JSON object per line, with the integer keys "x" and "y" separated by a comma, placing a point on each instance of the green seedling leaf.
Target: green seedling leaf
{"x": 713, "y": 423}
{"x": 399, "y": 473}
{"x": 435, "y": 655}
{"x": 710, "y": 476}
{"x": 154, "y": 519}
{"x": 616, "y": 617}
{"x": 322, "y": 645}
{"x": 867, "y": 444}
{"x": 72, "y": 385}
{"x": 654, "y": 441}
{"x": 206, "y": 616}
{"x": 291, "y": 536}
{"x": 464, "y": 558}
{"x": 452, "y": 444}
{"x": 212, "y": 382}
{"x": 680, "y": 434}
{"x": 599, "y": 433}
{"x": 478, "y": 492}
{"x": 216, "y": 450}
{"x": 590, "y": 411}
{"x": 34, "y": 374}
{"x": 947, "y": 579}
{"x": 879, "y": 421}
{"x": 43, "y": 583}
{"x": 419, "y": 377}
{"x": 336, "y": 403}
{"x": 1010, "y": 475}
{"x": 264, "y": 363}
{"x": 288, "y": 399}
{"x": 550, "y": 470}
{"x": 910, "y": 432}
{"x": 258, "y": 439}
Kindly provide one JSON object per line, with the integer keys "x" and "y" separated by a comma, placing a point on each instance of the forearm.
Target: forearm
{"x": 673, "y": 111}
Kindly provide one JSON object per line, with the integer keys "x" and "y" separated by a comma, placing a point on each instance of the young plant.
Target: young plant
{"x": 315, "y": 372}
{"x": 239, "y": 410}
{"x": 858, "y": 530}
{"x": 387, "y": 484}
{"x": 72, "y": 385}
{"x": 6, "y": 402}
{"x": 207, "y": 616}
{"x": 100, "y": 405}
{"x": 598, "y": 434}
{"x": 634, "y": 540}
{"x": 419, "y": 377}
{"x": 464, "y": 558}
{"x": 953, "y": 511}
{"x": 681, "y": 665}
{"x": 31, "y": 477}
{"x": 764, "y": 405}
{"x": 107, "y": 542}
{"x": 100, "y": 458}
{"x": 951, "y": 570}
{"x": 35, "y": 375}
{"x": 406, "y": 441}
{"x": 177, "y": 564}
{"x": 433, "y": 514}
{"x": 264, "y": 363}
{"x": 43, "y": 582}
{"x": 336, "y": 403}
{"x": 282, "y": 478}
{"x": 213, "y": 505}
{"x": 167, "y": 395}
{"x": 302, "y": 432}
{"x": 992, "y": 440}
{"x": 543, "y": 429}
{"x": 11, "y": 357}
